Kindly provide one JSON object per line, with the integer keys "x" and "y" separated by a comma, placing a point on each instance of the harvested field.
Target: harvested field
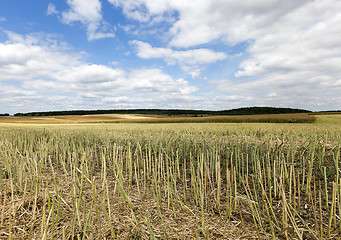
{"x": 74, "y": 118}
{"x": 279, "y": 118}
{"x": 170, "y": 181}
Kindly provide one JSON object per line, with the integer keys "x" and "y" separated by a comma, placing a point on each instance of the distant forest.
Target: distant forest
{"x": 172, "y": 112}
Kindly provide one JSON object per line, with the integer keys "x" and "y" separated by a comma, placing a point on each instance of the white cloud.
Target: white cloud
{"x": 39, "y": 73}
{"x": 89, "y": 73}
{"x": 51, "y": 9}
{"x": 310, "y": 44}
{"x": 231, "y": 21}
{"x": 298, "y": 58}
{"x": 89, "y": 13}
{"x": 13, "y": 97}
{"x": 191, "y": 57}
{"x": 189, "y": 60}
{"x": 145, "y": 10}
{"x": 103, "y": 82}
{"x": 96, "y": 86}
{"x": 294, "y": 89}
{"x": 24, "y": 57}
{"x": 202, "y": 21}
{"x": 31, "y": 56}
{"x": 293, "y": 46}
{"x": 2, "y": 19}
{"x": 292, "y": 58}
{"x": 156, "y": 81}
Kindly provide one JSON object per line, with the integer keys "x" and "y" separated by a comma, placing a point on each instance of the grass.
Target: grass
{"x": 328, "y": 118}
{"x": 170, "y": 181}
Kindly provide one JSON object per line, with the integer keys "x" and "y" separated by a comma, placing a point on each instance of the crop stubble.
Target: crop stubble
{"x": 175, "y": 181}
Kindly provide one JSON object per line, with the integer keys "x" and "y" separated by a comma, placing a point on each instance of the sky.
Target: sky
{"x": 169, "y": 54}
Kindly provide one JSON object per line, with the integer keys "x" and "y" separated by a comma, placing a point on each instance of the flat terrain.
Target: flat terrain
{"x": 296, "y": 117}
{"x": 75, "y": 118}
{"x": 169, "y": 180}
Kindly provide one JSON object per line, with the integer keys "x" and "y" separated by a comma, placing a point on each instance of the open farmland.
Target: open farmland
{"x": 75, "y": 118}
{"x": 170, "y": 181}
{"x": 145, "y": 118}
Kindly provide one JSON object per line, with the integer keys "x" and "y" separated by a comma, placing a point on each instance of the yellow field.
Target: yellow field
{"x": 169, "y": 180}
{"x": 75, "y": 118}
{"x": 329, "y": 118}
{"x": 298, "y": 117}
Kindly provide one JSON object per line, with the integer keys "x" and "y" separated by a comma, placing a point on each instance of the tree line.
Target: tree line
{"x": 172, "y": 112}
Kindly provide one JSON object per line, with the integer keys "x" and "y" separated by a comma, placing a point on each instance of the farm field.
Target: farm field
{"x": 170, "y": 180}
{"x": 75, "y": 118}
{"x": 138, "y": 118}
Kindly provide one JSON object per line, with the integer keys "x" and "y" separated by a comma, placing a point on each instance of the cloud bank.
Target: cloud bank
{"x": 46, "y": 73}
{"x": 201, "y": 54}
{"x": 293, "y": 53}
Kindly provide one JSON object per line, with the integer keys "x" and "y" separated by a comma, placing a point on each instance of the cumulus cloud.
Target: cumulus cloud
{"x": 2, "y": 19}
{"x": 201, "y": 21}
{"x": 26, "y": 57}
{"x": 89, "y": 73}
{"x": 231, "y": 22}
{"x": 13, "y": 97}
{"x": 114, "y": 88}
{"x": 292, "y": 50}
{"x": 89, "y": 13}
{"x": 304, "y": 39}
{"x": 189, "y": 60}
{"x": 192, "y": 57}
{"x": 44, "y": 76}
{"x": 292, "y": 56}
{"x": 103, "y": 82}
{"x": 290, "y": 90}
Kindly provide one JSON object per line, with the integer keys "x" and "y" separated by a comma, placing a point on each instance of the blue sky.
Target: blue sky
{"x": 188, "y": 54}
